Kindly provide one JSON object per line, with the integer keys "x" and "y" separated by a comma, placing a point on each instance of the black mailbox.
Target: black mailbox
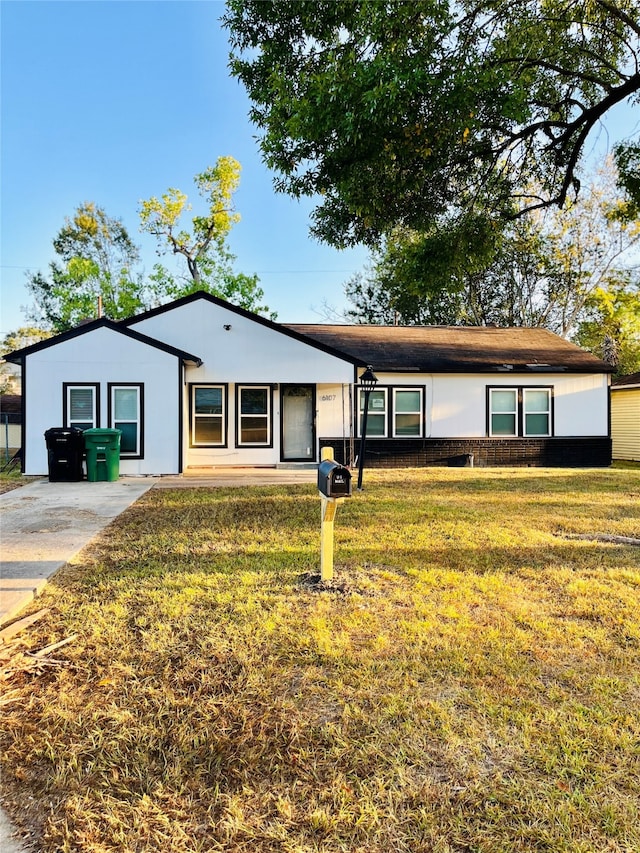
{"x": 334, "y": 480}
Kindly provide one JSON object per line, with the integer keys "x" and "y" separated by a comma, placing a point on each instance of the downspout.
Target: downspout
{"x": 182, "y": 379}
{"x": 23, "y": 415}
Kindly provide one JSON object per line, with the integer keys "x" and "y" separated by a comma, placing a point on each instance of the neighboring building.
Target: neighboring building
{"x": 200, "y": 383}
{"x": 625, "y": 417}
{"x": 10, "y": 423}
{"x": 9, "y": 378}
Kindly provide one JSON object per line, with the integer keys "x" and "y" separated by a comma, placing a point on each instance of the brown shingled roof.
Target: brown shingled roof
{"x": 630, "y": 379}
{"x": 453, "y": 348}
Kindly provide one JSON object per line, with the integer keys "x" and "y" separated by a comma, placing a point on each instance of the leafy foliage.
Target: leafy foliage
{"x": 96, "y": 260}
{"x": 204, "y": 247}
{"x": 611, "y": 327}
{"x": 543, "y": 270}
{"x": 430, "y": 113}
{"x": 22, "y": 337}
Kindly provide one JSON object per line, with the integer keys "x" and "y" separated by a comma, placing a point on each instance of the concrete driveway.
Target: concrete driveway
{"x": 43, "y": 525}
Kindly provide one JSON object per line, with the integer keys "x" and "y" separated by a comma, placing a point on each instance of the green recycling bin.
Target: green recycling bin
{"x": 102, "y": 447}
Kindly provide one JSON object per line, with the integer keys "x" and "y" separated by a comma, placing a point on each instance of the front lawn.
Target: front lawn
{"x": 470, "y": 681}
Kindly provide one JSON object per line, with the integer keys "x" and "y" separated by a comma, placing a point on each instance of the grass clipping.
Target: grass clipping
{"x": 469, "y": 682}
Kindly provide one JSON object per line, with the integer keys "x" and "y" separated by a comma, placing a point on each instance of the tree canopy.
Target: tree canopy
{"x": 96, "y": 260}
{"x": 203, "y": 246}
{"x": 433, "y": 113}
{"x": 573, "y": 271}
{"x": 97, "y": 264}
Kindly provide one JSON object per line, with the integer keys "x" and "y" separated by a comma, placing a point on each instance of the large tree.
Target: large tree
{"x": 432, "y": 113}
{"x": 610, "y": 327}
{"x": 543, "y": 270}
{"x": 203, "y": 246}
{"x": 95, "y": 264}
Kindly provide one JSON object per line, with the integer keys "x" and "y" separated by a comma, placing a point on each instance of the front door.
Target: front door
{"x": 298, "y": 410}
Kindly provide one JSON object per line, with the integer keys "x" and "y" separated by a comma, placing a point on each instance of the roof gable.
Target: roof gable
{"x": 280, "y": 328}
{"x": 103, "y": 323}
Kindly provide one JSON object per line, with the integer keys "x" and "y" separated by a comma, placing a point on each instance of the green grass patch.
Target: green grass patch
{"x": 470, "y": 683}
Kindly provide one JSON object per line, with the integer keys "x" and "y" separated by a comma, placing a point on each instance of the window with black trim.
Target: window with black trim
{"x": 126, "y": 404}
{"x": 254, "y": 415}
{"x": 208, "y": 415}
{"x": 81, "y": 404}
{"x": 520, "y": 411}
{"x": 404, "y": 418}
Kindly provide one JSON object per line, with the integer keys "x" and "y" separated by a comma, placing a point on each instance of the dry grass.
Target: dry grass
{"x": 470, "y": 683}
{"x": 12, "y": 479}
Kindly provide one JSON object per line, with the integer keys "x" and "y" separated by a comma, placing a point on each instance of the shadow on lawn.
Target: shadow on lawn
{"x": 278, "y": 569}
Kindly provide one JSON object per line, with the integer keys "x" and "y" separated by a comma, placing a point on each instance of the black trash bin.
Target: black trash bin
{"x": 65, "y": 447}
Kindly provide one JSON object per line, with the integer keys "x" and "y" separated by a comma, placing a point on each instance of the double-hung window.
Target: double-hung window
{"x": 377, "y": 412}
{"x": 503, "y": 407}
{"x": 208, "y": 415}
{"x": 407, "y": 412}
{"x": 253, "y": 408}
{"x": 536, "y": 403}
{"x": 125, "y": 414}
{"x": 80, "y": 404}
{"x": 404, "y": 420}
{"x": 520, "y": 412}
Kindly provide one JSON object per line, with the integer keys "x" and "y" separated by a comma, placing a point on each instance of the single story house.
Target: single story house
{"x": 199, "y": 383}
{"x": 625, "y": 417}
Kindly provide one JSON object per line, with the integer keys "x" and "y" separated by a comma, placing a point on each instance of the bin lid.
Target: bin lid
{"x": 62, "y": 431}
{"x": 100, "y": 435}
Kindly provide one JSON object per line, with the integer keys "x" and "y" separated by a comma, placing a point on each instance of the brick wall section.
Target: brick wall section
{"x": 534, "y": 452}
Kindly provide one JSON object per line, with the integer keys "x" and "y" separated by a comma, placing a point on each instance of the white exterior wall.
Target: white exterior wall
{"x": 332, "y": 418}
{"x": 105, "y": 356}
{"x": 456, "y": 404}
{"x": 249, "y": 353}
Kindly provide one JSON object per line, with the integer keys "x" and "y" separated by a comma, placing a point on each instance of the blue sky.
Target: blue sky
{"x": 114, "y": 102}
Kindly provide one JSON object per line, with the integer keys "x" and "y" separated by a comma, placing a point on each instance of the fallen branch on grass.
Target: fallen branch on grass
{"x": 48, "y": 649}
{"x": 605, "y": 537}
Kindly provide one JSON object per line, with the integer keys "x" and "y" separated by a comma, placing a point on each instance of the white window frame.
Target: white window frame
{"x": 360, "y": 411}
{"x": 266, "y": 415}
{"x": 198, "y": 415}
{"x": 138, "y": 421}
{"x": 419, "y": 411}
{"x": 547, "y": 412}
{"x": 520, "y": 392}
{"x": 69, "y": 388}
{"x": 515, "y": 412}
